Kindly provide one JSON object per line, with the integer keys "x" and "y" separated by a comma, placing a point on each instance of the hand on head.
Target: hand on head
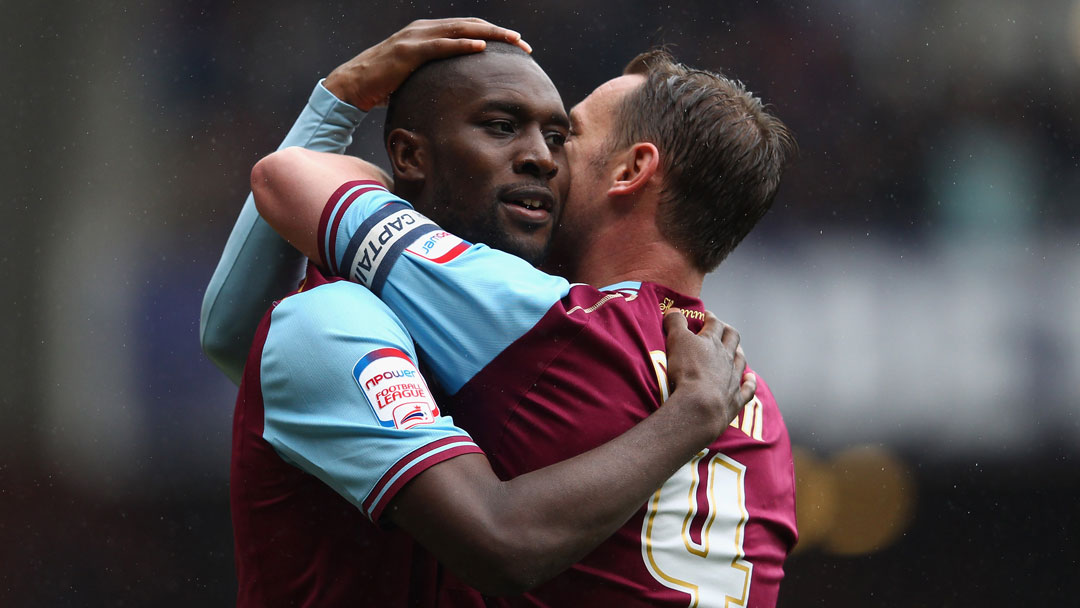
{"x": 367, "y": 80}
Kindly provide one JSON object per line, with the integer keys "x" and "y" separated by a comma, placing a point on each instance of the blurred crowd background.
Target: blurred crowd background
{"x": 913, "y": 298}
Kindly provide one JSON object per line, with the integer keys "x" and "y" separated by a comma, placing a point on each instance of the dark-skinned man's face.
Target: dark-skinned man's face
{"x": 498, "y": 168}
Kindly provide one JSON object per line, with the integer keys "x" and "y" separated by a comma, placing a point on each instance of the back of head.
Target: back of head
{"x": 722, "y": 154}
{"x": 415, "y": 104}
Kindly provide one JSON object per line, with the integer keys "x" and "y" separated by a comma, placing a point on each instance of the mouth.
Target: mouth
{"x": 532, "y": 204}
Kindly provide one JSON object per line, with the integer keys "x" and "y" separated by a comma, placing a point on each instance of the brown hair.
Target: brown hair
{"x": 722, "y": 154}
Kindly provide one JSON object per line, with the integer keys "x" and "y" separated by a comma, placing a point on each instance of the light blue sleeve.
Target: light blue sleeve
{"x": 343, "y": 399}
{"x": 462, "y": 303}
{"x": 258, "y": 266}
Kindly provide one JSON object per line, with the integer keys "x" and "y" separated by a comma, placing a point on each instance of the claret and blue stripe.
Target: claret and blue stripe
{"x": 462, "y": 310}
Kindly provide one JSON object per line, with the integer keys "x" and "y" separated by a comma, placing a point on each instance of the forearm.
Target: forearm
{"x": 507, "y": 537}
{"x": 291, "y": 187}
{"x": 562, "y": 512}
{"x": 257, "y": 265}
{"x": 233, "y": 304}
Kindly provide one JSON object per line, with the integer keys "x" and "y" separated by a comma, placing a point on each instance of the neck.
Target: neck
{"x": 631, "y": 251}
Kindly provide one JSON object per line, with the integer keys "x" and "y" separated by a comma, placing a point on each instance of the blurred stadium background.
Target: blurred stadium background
{"x": 913, "y": 299}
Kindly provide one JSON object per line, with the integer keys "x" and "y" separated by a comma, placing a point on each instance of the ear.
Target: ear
{"x": 635, "y": 169}
{"x": 408, "y": 155}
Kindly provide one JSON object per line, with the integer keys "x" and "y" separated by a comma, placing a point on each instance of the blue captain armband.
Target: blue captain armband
{"x": 331, "y": 247}
{"x": 380, "y": 239}
{"x": 463, "y": 303}
{"x": 379, "y": 242}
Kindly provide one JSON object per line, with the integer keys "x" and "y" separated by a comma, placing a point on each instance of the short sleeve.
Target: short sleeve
{"x": 463, "y": 303}
{"x": 343, "y": 399}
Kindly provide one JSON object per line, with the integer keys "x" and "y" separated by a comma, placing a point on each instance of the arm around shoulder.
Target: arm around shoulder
{"x": 506, "y": 537}
{"x": 292, "y": 186}
{"x": 257, "y": 266}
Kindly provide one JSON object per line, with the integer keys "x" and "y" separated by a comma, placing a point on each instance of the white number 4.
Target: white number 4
{"x": 692, "y": 535}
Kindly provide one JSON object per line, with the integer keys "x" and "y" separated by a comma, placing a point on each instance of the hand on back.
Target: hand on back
{"x": 711, "y": 366}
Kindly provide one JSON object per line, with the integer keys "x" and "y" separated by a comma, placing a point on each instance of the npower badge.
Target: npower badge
{"x": 394, "y": 388}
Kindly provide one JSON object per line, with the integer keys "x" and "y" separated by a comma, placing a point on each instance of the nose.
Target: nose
{"x": 535, "y": 157}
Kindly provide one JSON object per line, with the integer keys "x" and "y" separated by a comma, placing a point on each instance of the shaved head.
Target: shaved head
{"x": 476, "y": 144}
{"x": 415, "y": 105}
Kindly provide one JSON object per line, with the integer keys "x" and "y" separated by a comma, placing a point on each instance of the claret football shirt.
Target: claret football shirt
{"x": 332, "y": 419}
{"x": 540, "y": 370}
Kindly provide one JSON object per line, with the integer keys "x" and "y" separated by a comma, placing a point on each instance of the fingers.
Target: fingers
{"x": 471, "y": 27}
{"x": 367, "y": 80}
{"x": 673, "y": 321}
{"x": 739, "y": 362}
{"x": 478, "y": 28}
{"x": 441, "y": 48}
{"x": 442, "y": 38}
{"x": 748, "y": 388}
{"x": 730, "y": 336}
{"x": 712, "y": 322}
{"x": 713, "y": 327}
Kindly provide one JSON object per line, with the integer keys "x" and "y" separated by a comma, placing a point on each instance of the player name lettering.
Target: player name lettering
{"x": 392, "y": 394}
{"x": 390, "y": 375}
{"x": 375, "y": 243}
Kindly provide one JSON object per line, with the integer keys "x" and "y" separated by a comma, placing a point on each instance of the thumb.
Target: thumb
{"x": 674, "y": 320}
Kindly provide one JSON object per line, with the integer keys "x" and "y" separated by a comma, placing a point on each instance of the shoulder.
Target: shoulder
{"x": 335, "y": 310}
{"x": 761, "y": 419}
{"x": 763, "y": 392}
{"x": 316, "y": 338}
{"x": 626, "y": 296}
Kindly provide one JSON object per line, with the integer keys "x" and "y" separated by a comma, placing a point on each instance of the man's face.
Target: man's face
{"x": 499, "y": 167}
{"x": 591, "y": 164}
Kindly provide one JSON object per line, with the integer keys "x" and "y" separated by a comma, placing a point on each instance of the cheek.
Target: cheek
{"x": 488, "y": 167}
{"x": 582, "y": 158}
{"x": 561, "y": 183}
{"x": 574, "y": 203}
{"x": 470, "y": 159}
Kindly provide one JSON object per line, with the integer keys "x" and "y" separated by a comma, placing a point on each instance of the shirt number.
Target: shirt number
{"x": 692, "y": 534}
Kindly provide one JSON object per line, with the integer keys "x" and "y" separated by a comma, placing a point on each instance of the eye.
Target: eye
{"x": 555, "y": 138}
{"x": 501, "y": 125}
